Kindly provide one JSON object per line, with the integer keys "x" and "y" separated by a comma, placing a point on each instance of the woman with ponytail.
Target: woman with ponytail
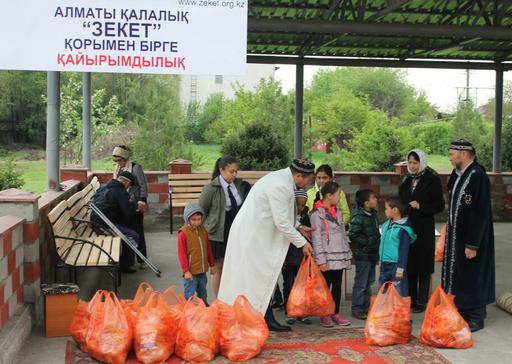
{"x": 221, "y": 199}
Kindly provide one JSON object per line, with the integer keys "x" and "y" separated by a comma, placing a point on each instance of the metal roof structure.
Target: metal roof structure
{"x": 390, "y": 33}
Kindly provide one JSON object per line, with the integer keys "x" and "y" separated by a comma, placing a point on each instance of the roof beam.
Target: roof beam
{"x": 372, "y": 62}
{"x": 378, "y": 29}
{"x": 392, "y": 6}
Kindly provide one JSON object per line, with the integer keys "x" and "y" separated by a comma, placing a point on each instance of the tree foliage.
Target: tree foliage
{"x": 257, "y": 147}
{"x": 378, "y": 146}
{"x": 10, "y": 176}
{"x": 199, "y": 117}
{"x": 266, "y": 104}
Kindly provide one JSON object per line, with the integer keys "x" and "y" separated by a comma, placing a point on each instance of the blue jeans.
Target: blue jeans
{"x": 197, "y": 284}
{"x": 362, "y": 289}
{"x": 387, "y": 274}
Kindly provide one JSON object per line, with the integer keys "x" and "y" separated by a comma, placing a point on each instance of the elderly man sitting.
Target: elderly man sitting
{"x": 113, "y": 200}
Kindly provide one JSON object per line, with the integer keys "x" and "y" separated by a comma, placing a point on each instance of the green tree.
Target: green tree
{"x": 378, "y": 146}
{"x": 257, "y": 147}
{"x": 10, "y": 176}
{"x": 266, "y": 104}
{"x": 21, "y": 105}
{"x": 384, "y": 89}
{"x": 199, "y": 117}
{"x": 104, "y": 117}
{"x": 338, "y": 117}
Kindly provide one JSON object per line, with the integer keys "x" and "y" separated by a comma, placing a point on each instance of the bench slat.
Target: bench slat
{"x": 116, "y": 248}
{"x": 73, "y": 254}
{"x": 94, "y": 256}
{"x": 84, "y": 255}
{"x": 190, "y": 176}
{"x": 196, "y": 182}
{"x": 178, "y": 190}
{"x": 57, "y": 211}
{"x": 106, "y": 245}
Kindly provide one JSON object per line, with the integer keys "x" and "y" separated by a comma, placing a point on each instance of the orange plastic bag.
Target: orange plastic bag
{"x": 443, "y": 326}
{"x": 441, "y": 240}
{"x": 242, "y": 332}
{"x": 196, "y": 332}
{"x": 133, "y": 307}
{"x": 310, "y": 295}
{"x": 109, "y": 336}
{"x": 155, "y": 330}
{"x": 388, "y": 321}
{"x": 81, "y": 317}
{"x": 224, "y": 313}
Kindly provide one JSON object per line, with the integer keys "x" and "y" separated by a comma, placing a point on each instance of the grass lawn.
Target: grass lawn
{"x": 34, "y": 171}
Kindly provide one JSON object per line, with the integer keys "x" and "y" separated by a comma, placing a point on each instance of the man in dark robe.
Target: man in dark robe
{"x": 468, "y": 266}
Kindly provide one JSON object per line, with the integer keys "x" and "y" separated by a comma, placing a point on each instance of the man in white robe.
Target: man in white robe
{"x": 260, "y": 236}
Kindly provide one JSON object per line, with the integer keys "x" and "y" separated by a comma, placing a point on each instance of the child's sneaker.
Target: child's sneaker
{"x": 305, "y": 320}
{"x": 326, "y": 321}
{"x": 290, "y": 320}
{"x": 339, "y": 319}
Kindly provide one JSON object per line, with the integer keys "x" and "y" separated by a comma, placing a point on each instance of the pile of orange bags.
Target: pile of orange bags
{"x": 196, "y": 340}
{"x": 388, "y": 321}
{"x": 155, "y": 330}
{"x": 158, "y": 324}
{"x": 441, "y": 241}
{"x": 443, "y": 326}
{"x": 101, "y": 328}
{"x": 310, "y": 295}
{"x": 241, "y": 330}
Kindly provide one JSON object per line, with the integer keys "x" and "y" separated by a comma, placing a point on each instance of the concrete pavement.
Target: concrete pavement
{"x": 492, "y": 345}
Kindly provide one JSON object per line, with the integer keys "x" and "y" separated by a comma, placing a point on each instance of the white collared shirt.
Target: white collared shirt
{"x": 234, "y": 191}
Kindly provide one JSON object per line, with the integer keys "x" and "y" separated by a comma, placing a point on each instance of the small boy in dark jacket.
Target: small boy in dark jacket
{"x": 397, "y": 236}
{"x": 364, "y": 234}
{"x": 295, "y": 255}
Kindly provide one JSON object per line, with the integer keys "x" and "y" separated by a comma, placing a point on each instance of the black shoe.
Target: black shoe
{"x": 359, "y": 315}
{"x": 475, "y": 325}
{"x": 418, "y": 308}
{"x": 128, "y": 269}
{"x": 272, "y": 324}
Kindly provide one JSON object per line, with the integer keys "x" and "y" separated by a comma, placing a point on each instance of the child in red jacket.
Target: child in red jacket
{"x": 194, "y": 252}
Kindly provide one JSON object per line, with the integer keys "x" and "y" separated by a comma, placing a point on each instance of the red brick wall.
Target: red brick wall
{"x": 11, "y": 266}
{"x": 385, "y": 184}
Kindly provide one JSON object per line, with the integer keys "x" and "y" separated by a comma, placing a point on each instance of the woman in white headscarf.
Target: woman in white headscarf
{"x": 421, "y": 190}
{"x": 138, "y": 192}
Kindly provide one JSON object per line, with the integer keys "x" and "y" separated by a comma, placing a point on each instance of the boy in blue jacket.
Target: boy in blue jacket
{"x": 396, "y": 236}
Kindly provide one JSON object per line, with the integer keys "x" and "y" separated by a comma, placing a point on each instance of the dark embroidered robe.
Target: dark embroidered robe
{"x": 472, "y": 281}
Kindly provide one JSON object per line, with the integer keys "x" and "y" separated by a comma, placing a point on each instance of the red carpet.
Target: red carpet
{"x": 318, "y": 346}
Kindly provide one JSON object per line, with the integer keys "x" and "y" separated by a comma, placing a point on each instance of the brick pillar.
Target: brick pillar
{"x": 11, "y": 267}
{"x": 401, "y": 168}
{"x": 25, "y": 205}
{"x": 76, "y": 173}
{"x": 180, "y": 166}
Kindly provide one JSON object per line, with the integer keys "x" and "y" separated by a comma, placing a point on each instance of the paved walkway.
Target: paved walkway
{"x": 492, "y": 345}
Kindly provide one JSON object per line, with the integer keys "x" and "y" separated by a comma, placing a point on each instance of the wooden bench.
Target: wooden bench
{"x": 75, "y": 243}
{"x": 185, "y": 188}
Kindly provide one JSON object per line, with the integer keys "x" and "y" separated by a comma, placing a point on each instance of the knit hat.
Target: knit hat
{"x": 191, "y": 209}
{"x": 128, "y": 176}
{"x": 300, "y": 192}
{"x": 119, "y": 151}
{"x": 303, "y": 165}
{"x": 462, "y": 144}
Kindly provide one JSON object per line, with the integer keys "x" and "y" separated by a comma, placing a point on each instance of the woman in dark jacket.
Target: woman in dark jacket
{"x": 221, "y": 199}
{"x": 421, "y": 190}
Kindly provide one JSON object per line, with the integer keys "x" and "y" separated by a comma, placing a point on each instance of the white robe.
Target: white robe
{"x": 259, "y": 239}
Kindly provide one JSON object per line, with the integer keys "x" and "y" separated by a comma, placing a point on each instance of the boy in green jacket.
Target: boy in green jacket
{"x": 364, "y": 234}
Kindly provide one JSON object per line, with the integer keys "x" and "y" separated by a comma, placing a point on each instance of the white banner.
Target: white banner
{"x": 128, "y": 36}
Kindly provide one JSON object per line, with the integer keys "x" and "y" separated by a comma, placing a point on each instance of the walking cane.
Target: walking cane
{"x": 124, "y": 238}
